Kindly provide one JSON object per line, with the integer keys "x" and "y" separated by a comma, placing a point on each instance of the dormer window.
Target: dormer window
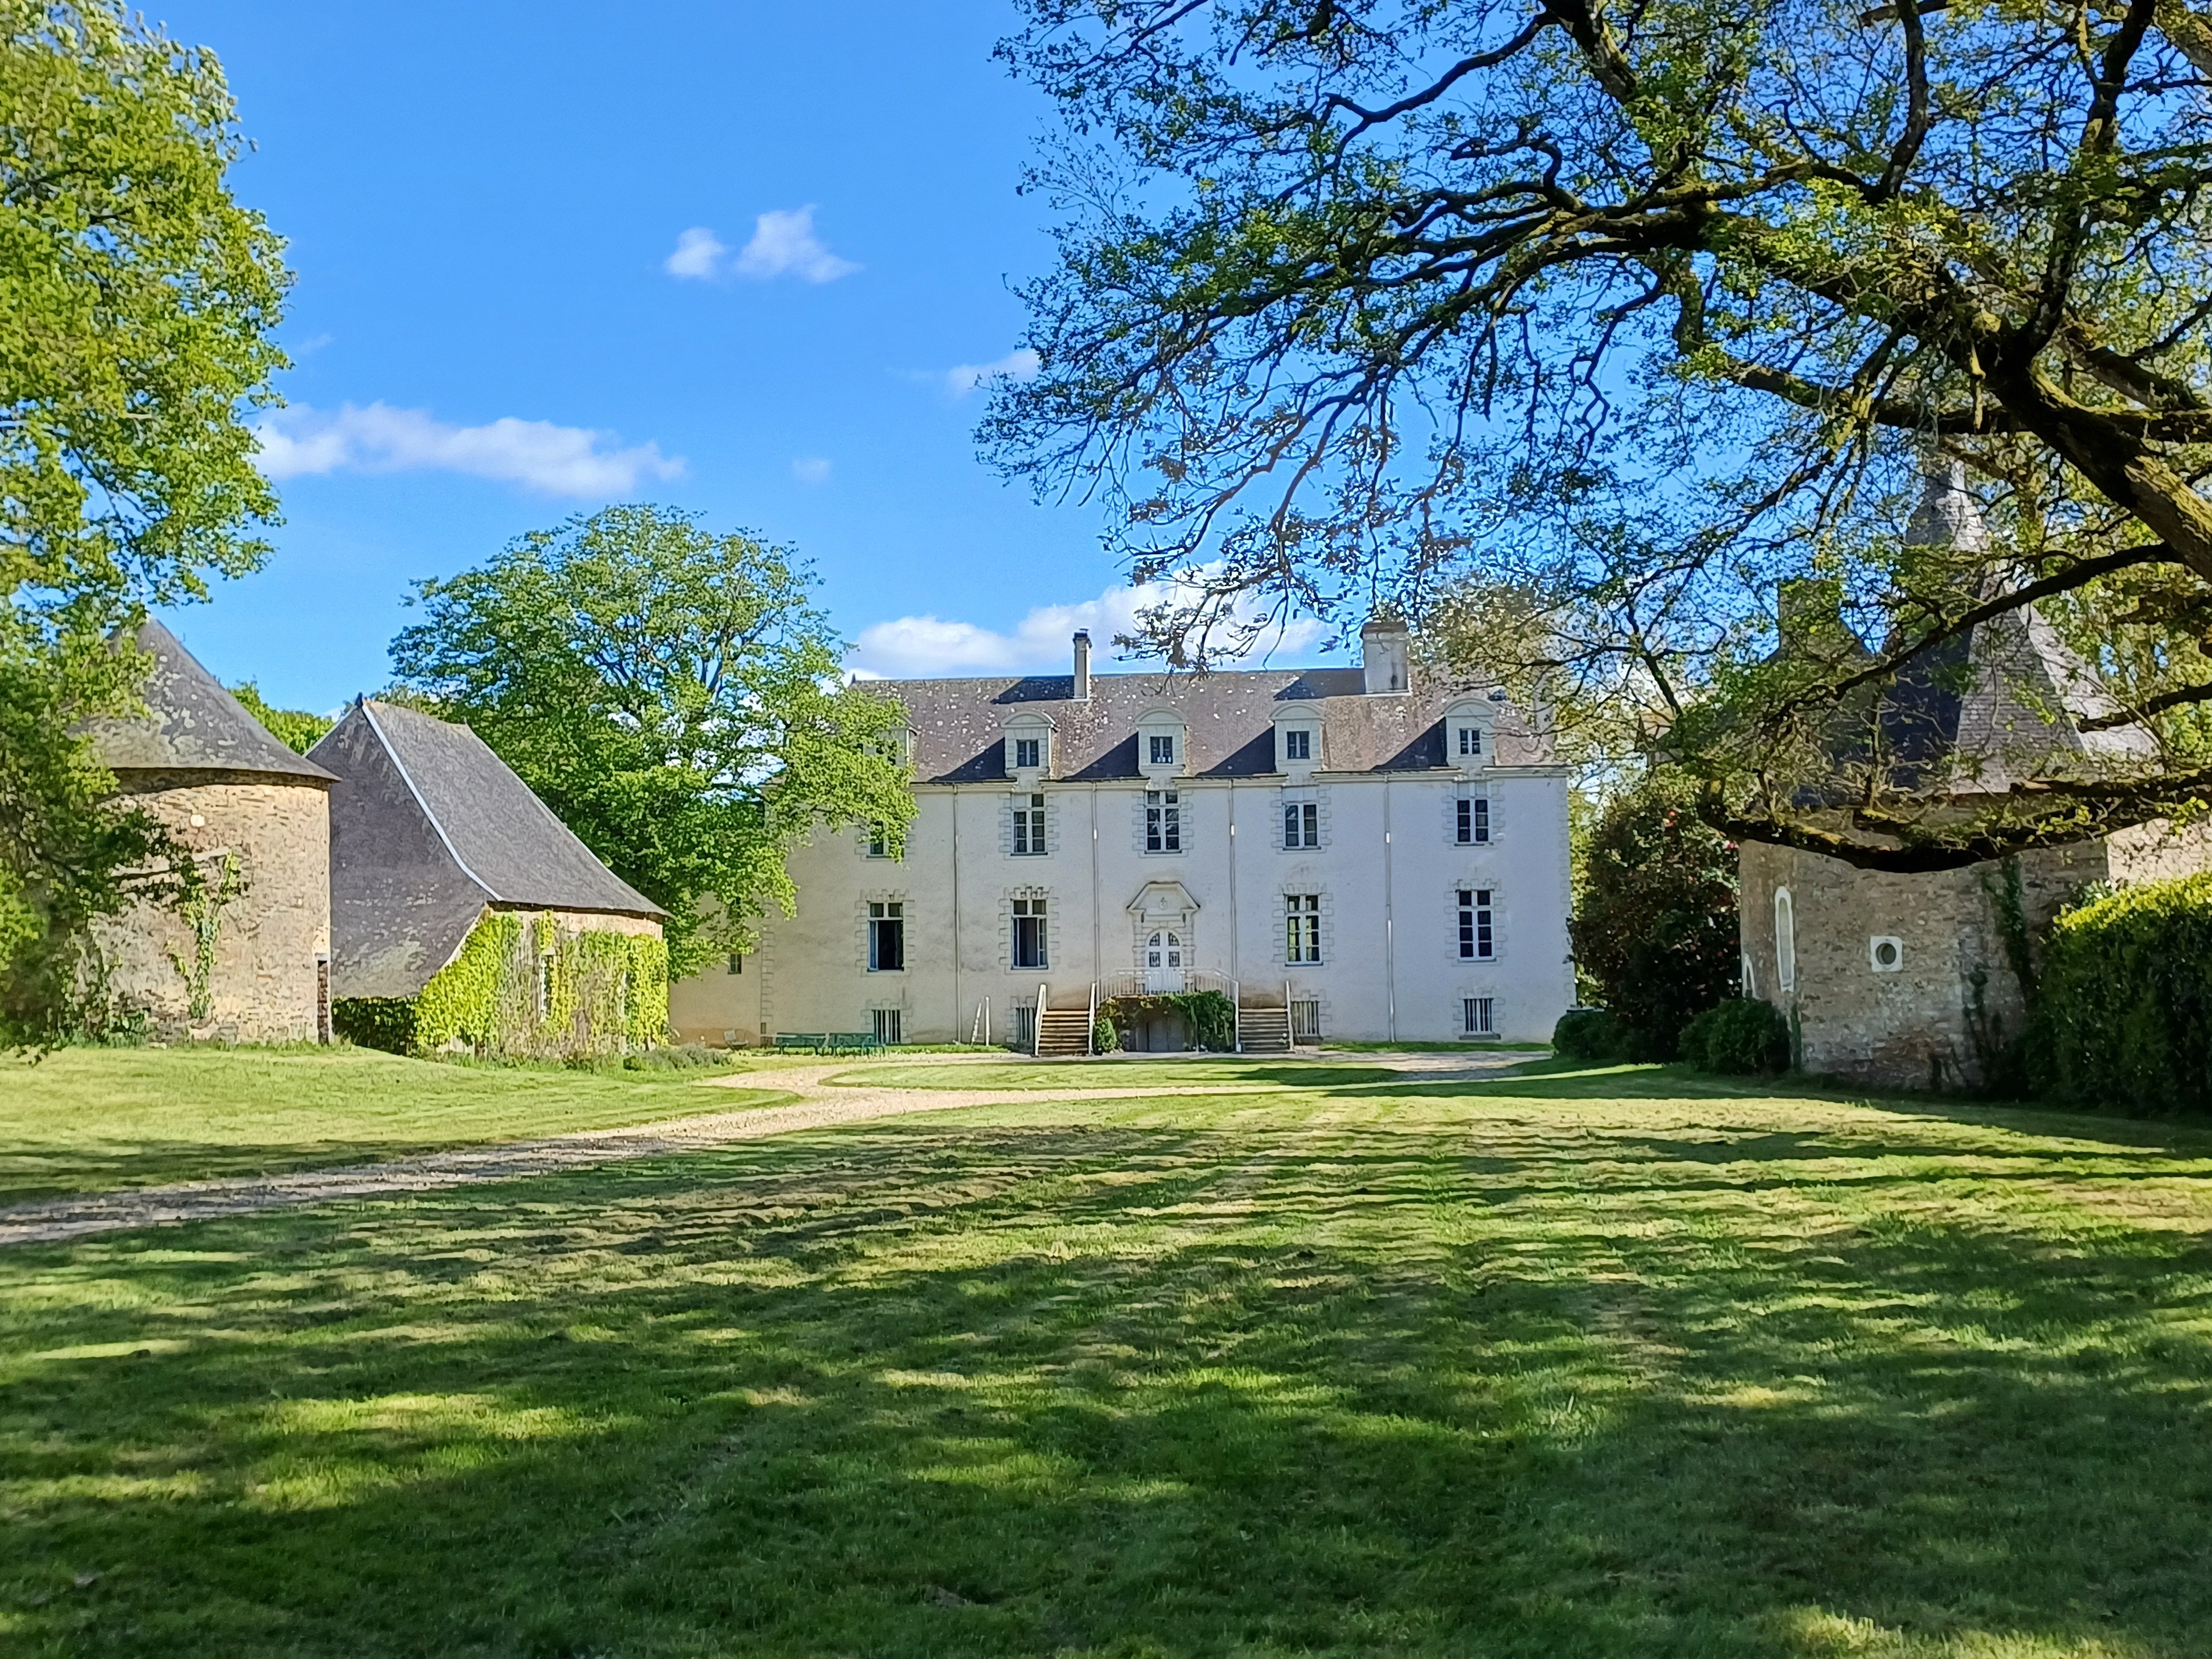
{"x": 1162, "y": 749}
{"x": 1470, "y": 740}
{"x": 1469, "y": 731}
{"x": 1298, "y": 744}
{"x": 1163, "y": 744}
{"x": 1028, "y": 747}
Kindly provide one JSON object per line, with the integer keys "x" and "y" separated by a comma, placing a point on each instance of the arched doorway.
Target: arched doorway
{"x": 1163, "y": 961}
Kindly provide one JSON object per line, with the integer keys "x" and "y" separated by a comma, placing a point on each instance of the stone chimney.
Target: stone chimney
{"x": 1385, "y": 656}
{"x": 1082, "y": 692}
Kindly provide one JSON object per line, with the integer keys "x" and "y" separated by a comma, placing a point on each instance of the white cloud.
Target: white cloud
{"x": 560, "y": 460}
{"x": 810, "y": 470}
{"x": 696, "y": 251}
{"x": 1021, "y": 364}
{"x": 912, "y": 647}
{"x": 784, "y": 244}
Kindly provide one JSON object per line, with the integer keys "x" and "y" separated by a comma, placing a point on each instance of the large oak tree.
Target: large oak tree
{"x": 1607, "y": 320}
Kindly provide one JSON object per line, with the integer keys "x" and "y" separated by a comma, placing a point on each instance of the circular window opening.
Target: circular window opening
{"x": 1886, "y": 953}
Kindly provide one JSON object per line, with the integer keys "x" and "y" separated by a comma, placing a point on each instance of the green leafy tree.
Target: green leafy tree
{"x": 1628, "y": 315}
{"x": 1655, "y": 924}
{"x": 674, "y": 695}
{"x": 295, "y": 728}
{"x": 138, "y": 302}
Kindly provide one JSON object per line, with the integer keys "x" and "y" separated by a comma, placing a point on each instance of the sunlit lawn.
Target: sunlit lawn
{"x": 83, "y": 1119}
{"x": 1575, "y": 1366}
{"x": 1149, "y": 1074}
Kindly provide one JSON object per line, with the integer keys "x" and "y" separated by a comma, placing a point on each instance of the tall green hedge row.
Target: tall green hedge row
{"x": 2123, "y": 1004}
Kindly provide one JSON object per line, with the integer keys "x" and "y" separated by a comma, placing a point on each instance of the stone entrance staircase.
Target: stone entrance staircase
{"x": 1263, "y": 1025}
{"x": 1063, "y": 1031}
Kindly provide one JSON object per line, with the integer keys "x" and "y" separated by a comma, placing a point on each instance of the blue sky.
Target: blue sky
{"x": 748, "y": 258}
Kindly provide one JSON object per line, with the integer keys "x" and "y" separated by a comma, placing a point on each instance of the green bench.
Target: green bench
{"x": 830, "y": 1042}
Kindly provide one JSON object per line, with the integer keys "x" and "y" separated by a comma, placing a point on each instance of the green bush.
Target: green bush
{"x": 1589, "y": 1034}
{"x": 386, "y": 1023}
{"x": 2123, "y": 1014}
{"x": 1209, "y": 1016}
{"x": 1740, "y": 1037}
{"x": 1104, "y": 1039}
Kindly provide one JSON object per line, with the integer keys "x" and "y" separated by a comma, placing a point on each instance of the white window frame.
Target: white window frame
{"x": 1160, "y": 748}
{"x": 885, "y": 911}
{"x": 1474, "y": 924}
{"x": 1033, "y": 909}
{"x": 1028, "y": 836}
{"x": 1478, "y": 1015}
{"x": 1471, "y": 820}
{"x": 1302, "y": 930}
{"x": 1301, "y": 825}
{"x": 1785, "y": 941}
{"x": 1162, "y": 821}
{"x": 1029, "y": 754}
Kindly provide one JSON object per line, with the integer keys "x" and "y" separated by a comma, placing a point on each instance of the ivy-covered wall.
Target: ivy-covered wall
{"x": 523, "y": 987}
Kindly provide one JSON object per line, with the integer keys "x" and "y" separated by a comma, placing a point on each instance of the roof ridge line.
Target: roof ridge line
{"x": 408, "y": 778}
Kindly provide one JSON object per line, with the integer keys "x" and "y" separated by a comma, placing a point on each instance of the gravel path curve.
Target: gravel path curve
{"x": 819, "y": 1104}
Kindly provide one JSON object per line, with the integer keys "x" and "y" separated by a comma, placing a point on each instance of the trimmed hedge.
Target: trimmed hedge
{"x": 1590, "y": 1034}
{"x": 386, "y": 1023}
{"x": 1740, "y": 1037}
{"x": 2124, "y": 1005}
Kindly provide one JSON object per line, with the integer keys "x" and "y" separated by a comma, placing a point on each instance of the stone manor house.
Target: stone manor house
{"x": 1345, "y": 852}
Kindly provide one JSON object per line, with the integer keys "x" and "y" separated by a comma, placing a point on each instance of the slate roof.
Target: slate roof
{"x": 191, "y": 724}
{"x": 428, "y": 827}
{"x": 959, "y": 725}
{"x": 2004, "y": 701}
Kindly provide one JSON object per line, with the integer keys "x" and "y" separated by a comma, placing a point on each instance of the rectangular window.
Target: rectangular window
{"x": 1306, "y": 1020}
{"x": 879, "y": 841}
{"x": 1162, "y": 821}
{"x": 1475, "y": 1017}
{"x": 1301, "y": 928}
{"x": 886, "y": 937}
{"x": 1026, "y": 751}
{"x": 1028, "y": 934}
{"x": 1476, "y": 938}
{"x": 1474, "y": 820}
{"x": 1163, "y": 751}
{"x": 1028, "y": 826}
{"x": 737, "y": 962}
{"x": 1297, "y": 745}
{"x": 545, "y": 984}
{"x": 1470, "y": 740}
{"x": 888, "y": 1024}
{"x": 1301, "y": 824}
{"x": 1025, "y": 1025}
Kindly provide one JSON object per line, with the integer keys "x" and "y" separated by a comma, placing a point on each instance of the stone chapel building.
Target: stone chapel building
{"x": 1344, "y": 852}
{"x": 1906, "y": 980}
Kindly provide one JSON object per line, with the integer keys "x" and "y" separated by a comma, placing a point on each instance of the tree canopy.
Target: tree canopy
{"x": 675, "y": 697}
{"x": 1610, "y": 320}
{"x": 137, "y": 306}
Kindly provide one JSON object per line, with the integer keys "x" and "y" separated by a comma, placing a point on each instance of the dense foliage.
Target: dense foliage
{"x": 1742, "y": 1036}
{"x": 295, "y": 729}
{"x": 1615, "y": 318}
{"x": 675, "y": 697}
{"x": 1209, "y": 1018}
{"x": 1589, "y": 1034}
{"x": 604, "y": 992}
{"x": 2123, "y": 1004}
{"x": 137, "y": 303}
{"x": 1654, "y": 927}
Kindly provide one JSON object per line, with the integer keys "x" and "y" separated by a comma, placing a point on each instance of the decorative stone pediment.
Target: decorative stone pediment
{"x": 1163, "y": 899}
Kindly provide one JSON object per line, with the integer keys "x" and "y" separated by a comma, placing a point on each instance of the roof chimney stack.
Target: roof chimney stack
{"x": 1385, "y": 651}
{"x": 1082, "y": 692}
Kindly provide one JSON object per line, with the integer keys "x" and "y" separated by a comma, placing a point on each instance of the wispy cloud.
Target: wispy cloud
{"x": 560, "y": 460}
{"x": 697, "y": 252}
{"x": 916, "y": 647}
{"x": 784, "y": 244}
{"x": 810, "y": 470}
{"x": 1020, "y": 364}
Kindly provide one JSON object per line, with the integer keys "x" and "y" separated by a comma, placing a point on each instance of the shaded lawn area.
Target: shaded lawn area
{"x": 1150, "y": 1074}
{"x": 1592, "y": 1364}
{"x": 88, "y": 1119}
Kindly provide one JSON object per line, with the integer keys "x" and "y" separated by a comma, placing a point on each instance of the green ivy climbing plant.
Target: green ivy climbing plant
{"x": 201, "y": 906}
{"x": 525, "y": 988}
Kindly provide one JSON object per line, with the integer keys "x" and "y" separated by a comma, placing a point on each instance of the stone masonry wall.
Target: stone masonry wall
{"x": 264, "y": 984}
{"x": 1926, "y": 1024}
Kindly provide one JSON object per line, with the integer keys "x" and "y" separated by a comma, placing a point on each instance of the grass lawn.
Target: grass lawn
{"x": 84, "y": 1120}
{"x": 1150, "y": 1074}
{"x": 1573, "y": 1364}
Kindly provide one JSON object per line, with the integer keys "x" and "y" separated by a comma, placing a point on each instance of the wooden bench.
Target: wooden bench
{"x": 829, "y": 1043}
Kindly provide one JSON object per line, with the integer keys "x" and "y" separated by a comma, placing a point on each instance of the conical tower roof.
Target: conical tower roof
{"x": 191, "y": 724}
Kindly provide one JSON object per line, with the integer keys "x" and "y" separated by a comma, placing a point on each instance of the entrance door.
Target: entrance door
{"x": 1163, "y": 965}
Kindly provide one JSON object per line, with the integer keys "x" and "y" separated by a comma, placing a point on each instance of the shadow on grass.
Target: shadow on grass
{"x": 1418, "y": 1387}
